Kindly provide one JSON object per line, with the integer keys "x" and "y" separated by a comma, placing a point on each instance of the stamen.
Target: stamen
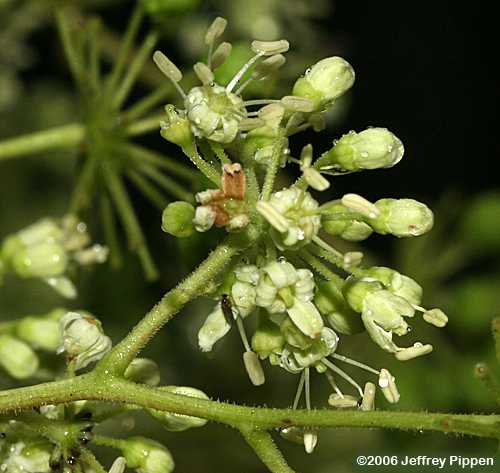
{"x": 342, "y": 402}
{"x": 308, "y": 388}
{"x": 243, "y": 334}
{"x": 278, "y": 221}
{"x": 259, "y": 102}
{"x": 327, "y": 247}
{"x": 418, "y": 349}
{"x": 306, "y": 155}
{"x": 269, "y": 48}
{"x": 350, "y": 361}
{"x": 368, "y": 402}
{"x": 170, "y": 70}
{"x": 343, "y": 374}
{"x": 272, "y": 114}
{"x": 300, "y": 388}
{"x": 297, "y": 104}
{"x": 215, "y": 30}
{"x": 234, "y": 81}
{"x": 360, "y": 204}
{"x": 332, "y": 382}
{"x": 250, "y": 124}
{"x": 353, "y": 258}
{"x": 220, "y": 55}
{"x": 315, "y": 179}
{"x": 203, "y": 73}
{"x": 388, "y": 386}
{"x": 254, "y": 368}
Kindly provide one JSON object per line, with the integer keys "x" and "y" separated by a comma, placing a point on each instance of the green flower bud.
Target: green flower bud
{"x": 268, "y": 338}
{"x": 214, "y": 328}
{"x": 324, "y": 82}
{"x": 324, "y": 346}
{"x": 293, "y": 336}
{"x": 45, "y": 229}
{"x": 147, "y": 456}
{"x": 338, "y": 220}
{"x": 143, "y": 371}
{"x": 40, "y": 260}
{"x": 306, "y": 317}
{"x": 177, "y": 129}
{"x": 83, "y": 338}
{"x": 373, "y": 148}
{"x": 402, "y": 218}
{"x": 41, "y": 332}
{"x": 355, "y": 291}
{"x": 331, "y": 303}
{"x": 17, "y": 357}
{"x": 179, "y": 422}
{"x": 399, "y": 284}
{"x": 32, "y": 457}
{"x": 177, "y": 219}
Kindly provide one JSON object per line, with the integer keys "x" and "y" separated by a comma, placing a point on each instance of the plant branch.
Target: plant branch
{"x": 265, "y": 448}
{"x": 95, "y": 386}
{"x": 120, "y": 357}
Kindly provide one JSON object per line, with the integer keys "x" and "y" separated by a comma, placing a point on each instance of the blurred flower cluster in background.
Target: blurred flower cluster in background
{"x": 417, "y": 86}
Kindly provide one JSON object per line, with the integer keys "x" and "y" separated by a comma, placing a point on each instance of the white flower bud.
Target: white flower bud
{"x": 204, "y": 218}
{"x": 41, "y": 332}
{"x": 32, "y": 457}
{"x": 17, "y": 358}
{"x": 324, "y": 82}
{"x": 214, "y": 328}
{"x": 144, "y": 371}
{"x": 372, "y": 148}
{"x": 147, "y": 456}
{"x": 179, "y": 422}
{"x": 402, "y": 217}
{"x": 306, "y": 317}
{"x": 40, "y": 260}
{"x": 83, "y": 339}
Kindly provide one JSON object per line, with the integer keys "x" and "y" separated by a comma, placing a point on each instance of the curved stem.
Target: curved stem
{"x": 120, "y": 357}
{"x": 95, "y": 386}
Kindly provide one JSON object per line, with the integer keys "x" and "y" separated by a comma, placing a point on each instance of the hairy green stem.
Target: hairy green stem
{"x": 119, "y": 358}
{"x": 90, "y": 460}
{"x": 95, "y": 386}
{"x": 265, "y": 448}
{"x": 272, "y": 168}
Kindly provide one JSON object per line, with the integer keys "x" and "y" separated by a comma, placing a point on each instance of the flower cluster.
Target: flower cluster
{"x": 303, "y": 306}
{"x": 48, "y": 249}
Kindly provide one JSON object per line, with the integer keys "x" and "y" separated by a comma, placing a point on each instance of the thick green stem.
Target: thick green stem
{"x": 90, "y": 460}
{"x": 95, "y": 386}
{"x": 120, "y": 357}
{"x": 265, "y": 448}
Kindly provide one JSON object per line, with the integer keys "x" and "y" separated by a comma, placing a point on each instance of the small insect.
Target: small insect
{"x": 227, "y": 309}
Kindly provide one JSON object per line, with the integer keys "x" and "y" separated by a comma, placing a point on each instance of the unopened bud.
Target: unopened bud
{"x": 204, "y": 218}
{"x": 147, "y": 456}
{"x": 327, "y": 80}
{"x": 17, "y": 358}
{"x": 143, "y": 371}
{"x": 177, "y": 219}
{"x": 179, "y": 422}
